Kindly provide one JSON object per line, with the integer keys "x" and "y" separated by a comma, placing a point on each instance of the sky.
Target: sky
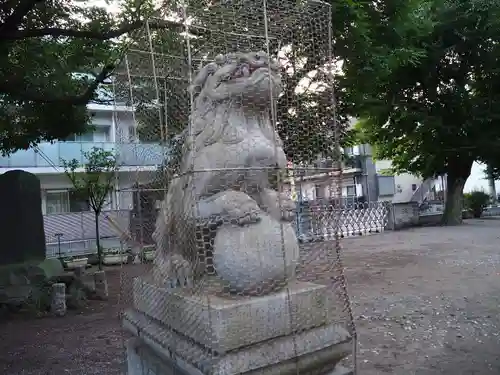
{"x": 477, "y": 180}
{"x": 112, "y": 6}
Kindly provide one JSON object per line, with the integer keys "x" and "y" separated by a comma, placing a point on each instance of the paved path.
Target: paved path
{"x": 427, "y": 300}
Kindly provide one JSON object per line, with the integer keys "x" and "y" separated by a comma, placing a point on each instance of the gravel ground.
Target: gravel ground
{"x": 86, "y": 342}
{"x": 426, "y": 301}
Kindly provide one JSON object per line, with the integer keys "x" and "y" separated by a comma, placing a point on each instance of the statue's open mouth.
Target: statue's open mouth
{"x": 247, "y": 76}
{"x": 247, "y": 70}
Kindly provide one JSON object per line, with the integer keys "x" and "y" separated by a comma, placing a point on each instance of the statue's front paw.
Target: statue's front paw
{"x": 278, "y": 205}
{"x": 241, "y": 209}
{"x": 176, "y": 272}
{"x": 249, "y": 215}
{"x": 182, "y": 272}
{"x": 288, "y": 208}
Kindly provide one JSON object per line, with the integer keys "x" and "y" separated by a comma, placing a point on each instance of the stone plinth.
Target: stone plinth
{"x": 274, "y": 334}
{"x": 143, "y": 360}
{"x": 224, "y": 324}
{"x": 316, "y": 351}
{"x": 101, "y": 285}
{"x": 58, "y": 303}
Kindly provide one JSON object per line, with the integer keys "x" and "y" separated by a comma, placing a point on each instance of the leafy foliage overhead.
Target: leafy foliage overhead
{"x": 42, "y": 45}
{"x": 305, "y": 118}
{"x": 428, "y": 84}
{"x": 425, "y": 80}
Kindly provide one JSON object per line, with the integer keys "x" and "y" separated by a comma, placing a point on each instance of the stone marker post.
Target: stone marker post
{"x": 21, "y": 219}
{"x": 58, "y": 304}
{"x": 101, "y": 285}
{"x": 79, "y": 271}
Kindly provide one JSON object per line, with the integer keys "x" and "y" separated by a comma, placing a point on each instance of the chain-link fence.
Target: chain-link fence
{"x": 233, "y": 91}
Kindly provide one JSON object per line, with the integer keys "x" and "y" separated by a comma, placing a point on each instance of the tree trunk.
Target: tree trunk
{"x": 493, "y": 191}
{"x": 455, "y": 183}
{"x": 98, "y": 242}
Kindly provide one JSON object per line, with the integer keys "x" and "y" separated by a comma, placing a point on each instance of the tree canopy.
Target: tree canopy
{"x": 305, "y": 117}
{"x": 426, "y": 83}
{"x": 42, "y": 45}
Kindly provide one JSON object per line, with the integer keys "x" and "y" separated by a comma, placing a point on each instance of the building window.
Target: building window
{"x": 413, "y": 187}
{"x": 57, "y": 202}
{"x": 318, "y": 192}
{"x": 386, "y": 186}
{"x": 64, "y": 201}
{"x": 100, "y": 134}
{"x": 85, "y": 137}
{"x": 351, "y": 190}
{"x": 132, "y": 136}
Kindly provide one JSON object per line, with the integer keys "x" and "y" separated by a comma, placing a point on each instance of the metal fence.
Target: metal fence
{"x": 491, "y": 211}
{"x": 74, "y": 233}
{"x": 317, "y": 220}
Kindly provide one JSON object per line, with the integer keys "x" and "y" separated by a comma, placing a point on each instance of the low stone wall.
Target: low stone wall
{"x": 429, "y": 220}
{"x": 491, "y": 211}
{"x": 403, "y": 215}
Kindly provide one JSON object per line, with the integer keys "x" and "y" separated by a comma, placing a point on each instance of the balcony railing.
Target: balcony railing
{"x": 50, "y": 155}
{"x": 327, "y": 166}
{"x": 354, "y": 162}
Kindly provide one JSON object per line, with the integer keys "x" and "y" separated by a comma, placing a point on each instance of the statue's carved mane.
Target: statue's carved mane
{"x": 212, "y": 114}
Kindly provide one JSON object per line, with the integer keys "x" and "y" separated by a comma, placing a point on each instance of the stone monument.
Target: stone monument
{"x": 21, "y": 218}
{"x": 223, "y": 297}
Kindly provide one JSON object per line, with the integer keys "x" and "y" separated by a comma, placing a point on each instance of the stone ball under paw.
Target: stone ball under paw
{"x": 252, "y": 257}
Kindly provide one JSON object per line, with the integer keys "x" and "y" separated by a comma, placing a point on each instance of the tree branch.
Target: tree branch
{"x": 11, "y": 87}
{"x": 88, "y": 34}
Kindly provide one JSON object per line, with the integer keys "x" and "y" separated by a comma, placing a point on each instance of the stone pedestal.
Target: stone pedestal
{"x": 58, "y": 303}
{"x": 204, "y": 334}
{"x": 101, "y": 285}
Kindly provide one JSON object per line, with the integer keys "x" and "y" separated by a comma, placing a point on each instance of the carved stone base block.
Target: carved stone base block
{"x": 253, "y": 335}
{"x": 143, "y": 360}
{"x": 314, "y": 352}
{"x": 224, "y": 324}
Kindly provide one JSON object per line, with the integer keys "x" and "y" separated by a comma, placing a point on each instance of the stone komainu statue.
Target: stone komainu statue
{"x": 224, "y": 181}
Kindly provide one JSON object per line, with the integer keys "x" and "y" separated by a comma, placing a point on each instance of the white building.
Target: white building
{"x": 319, "y": 180}
{"x": 114, "y": 130}
{"x": 405, "y": 184}
{"x": 63, "y": 213}
{"x": 409, "y": 187}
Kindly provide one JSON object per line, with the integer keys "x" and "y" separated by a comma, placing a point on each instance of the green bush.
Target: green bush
{"x": 476, "y": 202}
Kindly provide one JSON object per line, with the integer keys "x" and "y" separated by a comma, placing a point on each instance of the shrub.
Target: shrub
{"x": 476, "y": 202}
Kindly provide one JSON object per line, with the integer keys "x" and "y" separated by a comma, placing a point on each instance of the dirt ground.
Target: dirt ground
{"x": 426, "y": 301}
{"x": 85, "y": 342}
